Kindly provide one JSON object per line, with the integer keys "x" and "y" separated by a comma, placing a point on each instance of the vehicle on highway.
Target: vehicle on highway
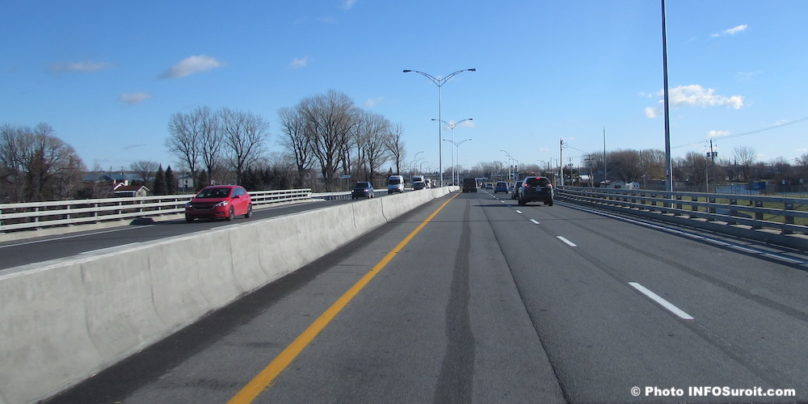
{"x": 469, "y": 185}
{"x": 501, "y": 186}
{"x": 516, "y": 186}
{"x": 489, "y": 185}
{"x": 362, "y": 189}
{"x": 536, "y": 189}
{"x": 418, "y": 182}
{"x": 219, "y": 202}
{"x": 395, "y": 183}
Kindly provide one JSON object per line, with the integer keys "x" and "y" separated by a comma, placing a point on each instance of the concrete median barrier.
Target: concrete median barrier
{"x": 65, "y": 320}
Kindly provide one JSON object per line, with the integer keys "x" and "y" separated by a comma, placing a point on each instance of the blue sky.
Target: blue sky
{"x": 107, "y": 75}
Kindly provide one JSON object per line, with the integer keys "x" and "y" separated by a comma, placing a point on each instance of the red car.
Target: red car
{"x": 219, "y": 202}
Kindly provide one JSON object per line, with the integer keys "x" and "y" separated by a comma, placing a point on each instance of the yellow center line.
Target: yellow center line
{"x": 268, "y": 375}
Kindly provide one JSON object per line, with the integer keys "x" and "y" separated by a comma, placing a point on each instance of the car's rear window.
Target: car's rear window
{"x": 362, "y": 185}
{"x": 394, "y": 181}
{"x": 214, "y": 193}
{"x": 500, "y": 184}
{"x": 537, "y": 181}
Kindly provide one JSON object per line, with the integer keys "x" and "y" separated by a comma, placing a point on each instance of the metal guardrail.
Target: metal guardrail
{"x": 37, "y": 215}
{"x": 744, "y": 213}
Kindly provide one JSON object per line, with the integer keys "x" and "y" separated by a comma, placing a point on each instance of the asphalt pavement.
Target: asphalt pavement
{"x": 493, "y": 302}
{"x": 39, "y": 249}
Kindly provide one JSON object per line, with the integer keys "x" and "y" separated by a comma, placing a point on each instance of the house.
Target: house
{"x": 185, "y": 182}
{"x": 129, "y": 191}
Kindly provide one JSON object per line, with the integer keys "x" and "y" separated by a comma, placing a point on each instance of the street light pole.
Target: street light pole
{"x": 439, "y": 82}
{"x": 510, "y": 158}
{"x": 416, "y": 158}
{"x": 451, "y": 125}
{"x": 668, "y": 162}
{"x": 457, "y": 148}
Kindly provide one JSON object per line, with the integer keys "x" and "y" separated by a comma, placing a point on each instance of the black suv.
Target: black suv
{"x": 535, "y": 189}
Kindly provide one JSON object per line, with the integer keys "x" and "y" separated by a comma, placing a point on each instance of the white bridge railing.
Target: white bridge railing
{"x": 38, "y": 215}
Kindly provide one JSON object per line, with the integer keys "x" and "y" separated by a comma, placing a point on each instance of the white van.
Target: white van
{"x": 418, "y": 182}
{"x": 395, "y": 183}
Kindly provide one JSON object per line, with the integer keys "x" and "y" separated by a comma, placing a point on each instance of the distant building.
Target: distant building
{"x": 130, "y": 191}
{"x": 185, "y": 182}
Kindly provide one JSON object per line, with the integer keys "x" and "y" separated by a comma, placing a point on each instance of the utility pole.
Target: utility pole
{"x": 711, "y": 155}
{"x": 561, "y": 161}
{"x": 605, "y": 177}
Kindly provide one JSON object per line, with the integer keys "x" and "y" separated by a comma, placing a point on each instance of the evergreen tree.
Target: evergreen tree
{"x": 159, "y": 187}
{"x": 201, "y": 180}
{"x": 250, "y": 180}
{"x": 171, "y": 182}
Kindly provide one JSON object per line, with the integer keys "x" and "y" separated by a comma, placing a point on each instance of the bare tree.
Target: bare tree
{"x": 744, "y": 158}
{"x": 36, "y": 165}
{"x": 184, "y": 140}
{"x": 210, "y": 139}
{"x": 244, "y": 135}
{"x": 329, "y": 119}
{"x": 625, "y": 164}
{"x": 395, "y": 145}
{"x": 145, "y": 169}
{"x": 293, "y": 126}
{"x": 372, "y": 131}
{"x": 803, "y": 160}
{"x": 652, "y": 163}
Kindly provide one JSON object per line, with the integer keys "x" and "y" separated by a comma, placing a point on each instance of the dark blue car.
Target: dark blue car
{"x": 501, "y": 186}
{"x": 362, "y": 189}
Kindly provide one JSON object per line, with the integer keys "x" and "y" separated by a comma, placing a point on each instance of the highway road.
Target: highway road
{"x": 472, "y": 298}
{"x": 33, "y": 250}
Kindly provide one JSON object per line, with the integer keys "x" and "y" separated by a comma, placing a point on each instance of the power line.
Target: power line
{"x": 751, "y": 132}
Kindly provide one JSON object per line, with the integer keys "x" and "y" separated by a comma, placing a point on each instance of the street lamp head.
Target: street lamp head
{"x": 406, "y": 71}
{"x": 473, "y": 69}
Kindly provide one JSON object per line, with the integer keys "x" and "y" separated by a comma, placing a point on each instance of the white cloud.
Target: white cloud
{"x": 134, "y": 98}
{"x": 731, "y": 31}
{"x": 697, "y": 95}
{"x": 191, "y": 65}
{"x": 650, "y": 112}
{"x": 348, "y": 4}
{"x": 468, "y": 124}
{"x": 717, "y": 133}
{"x": 372, "y": 102}
{"x": 87, "y": 66}
{"x": 298, "y": 63}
